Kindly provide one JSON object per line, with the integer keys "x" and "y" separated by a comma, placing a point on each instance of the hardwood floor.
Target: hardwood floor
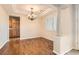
{"x": 36, "y": 46}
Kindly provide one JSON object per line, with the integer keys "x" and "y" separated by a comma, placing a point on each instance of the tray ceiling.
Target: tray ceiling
{"x": 24, "y": 9}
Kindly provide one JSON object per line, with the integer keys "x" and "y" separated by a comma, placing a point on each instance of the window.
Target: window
{"x": 51, "y": 23}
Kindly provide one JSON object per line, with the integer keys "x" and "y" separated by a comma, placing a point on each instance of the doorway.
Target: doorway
{"x": 14, "y": 27}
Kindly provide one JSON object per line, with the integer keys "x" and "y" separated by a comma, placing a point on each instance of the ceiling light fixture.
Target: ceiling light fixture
{"x": 32, "y": 16}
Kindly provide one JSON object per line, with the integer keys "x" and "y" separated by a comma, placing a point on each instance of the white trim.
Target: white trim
{"x": 28, "y": 38}
{"x": 62, "y": 53}
{"x": 66, "y": 51}
{"x": 56, "y": 52}
{"x": 3, "y": 44}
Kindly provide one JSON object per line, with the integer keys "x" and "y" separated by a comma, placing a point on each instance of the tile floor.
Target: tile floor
{"x": 73, "y": 52}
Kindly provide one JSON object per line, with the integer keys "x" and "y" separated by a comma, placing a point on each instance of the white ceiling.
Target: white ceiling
{"x": 24, "y": 9}
{"x": 39, "y": 9}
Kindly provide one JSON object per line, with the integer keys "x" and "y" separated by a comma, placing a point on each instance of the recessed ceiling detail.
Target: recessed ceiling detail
{"x": 24, "y": 9}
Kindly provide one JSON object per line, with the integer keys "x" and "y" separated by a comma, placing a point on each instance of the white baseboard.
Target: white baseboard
{"x": 29, "y": 38}
{"x": 58, "y": 53}
{"x": 47, "y": 38}
{"x": 67, "y": 51}
{"x": 3, "y": 44}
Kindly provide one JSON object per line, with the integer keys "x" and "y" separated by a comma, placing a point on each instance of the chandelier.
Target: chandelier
{"x": 32, "y": 16}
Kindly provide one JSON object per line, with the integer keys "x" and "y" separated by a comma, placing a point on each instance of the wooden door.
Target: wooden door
{"x": 14, "y": 27}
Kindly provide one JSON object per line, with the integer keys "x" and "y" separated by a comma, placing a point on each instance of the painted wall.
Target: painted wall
{"x": 4, "y": 33}
{"x": 66, "y": 29}
{"x": 49, "y": 34}
{"x": 28, "y": 28}
{"x": 76, "y": 27}
{"x": 65, "y": 42}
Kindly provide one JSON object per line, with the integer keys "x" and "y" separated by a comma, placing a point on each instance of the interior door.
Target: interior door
{"x": 14, "y": 27}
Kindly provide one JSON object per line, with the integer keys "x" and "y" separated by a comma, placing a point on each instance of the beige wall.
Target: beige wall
{"x": 28, "y": 28}
{"x": 66, "y": 28}
{"x": 63, "y": 43}
{"x": 4, "y": 33}
{"x": 44, "y": 32}
{"x": 66, "y": 21}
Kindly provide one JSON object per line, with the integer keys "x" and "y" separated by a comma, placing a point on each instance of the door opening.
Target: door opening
{"x": 14, "y": 27}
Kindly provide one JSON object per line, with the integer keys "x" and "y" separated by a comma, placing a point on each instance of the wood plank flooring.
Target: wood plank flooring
{"x": 36, "y": 46}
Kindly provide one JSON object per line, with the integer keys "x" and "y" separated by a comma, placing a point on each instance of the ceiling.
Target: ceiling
{"x": 24, "y": 9}
{"x": 39, "y": 9}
